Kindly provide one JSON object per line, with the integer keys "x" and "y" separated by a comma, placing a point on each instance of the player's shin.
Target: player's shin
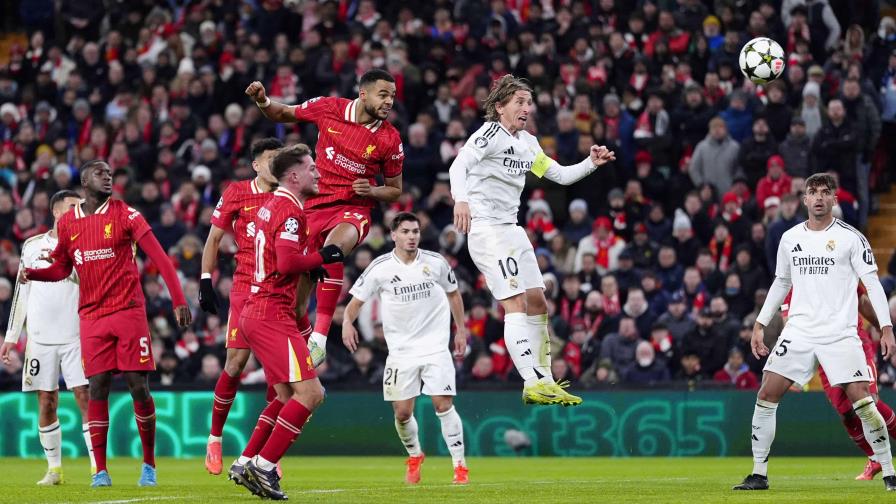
{"x": 328, "y": 293}
{"x": 98, "y": 421}
{"x": 516, "y": 338}
{"x": 540, "y": 343}
{"x": 262, "y": 431}
{"x": 51, "y": 440}
{"x": 407, "y": 433}
{"x": 145, "y": 414}
{"x": 763, "y": 434}
{"x": 453, "y": 433}
{"x": 289, "y": 425}
{"x": 225, "y": 391}
{"x": 853, "y": 426}
{"x": 875, "y": 433}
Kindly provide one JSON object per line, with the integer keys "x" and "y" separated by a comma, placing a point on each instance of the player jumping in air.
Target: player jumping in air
{"x": 235, "y": 212}
{"x": 97, "y": 239}
{"x": 487, "y": 179}
{"x": 823, "y": 260}
{"x": 417, "y": 288}
{"x": 50, "y": 311}
{"x": 837, "y": 396}
{"x": 268, "y": 320}
{"x": 355, "y": 144}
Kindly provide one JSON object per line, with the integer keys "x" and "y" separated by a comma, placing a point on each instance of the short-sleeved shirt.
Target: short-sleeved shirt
{"x": 824, "y": 268}
{"x": 278, "y": 223}
{"x": 102, "y": 248}
{"x": 235, "y": 212}
{"x": 347, "y": 150}
{"x": 416, "y": 314}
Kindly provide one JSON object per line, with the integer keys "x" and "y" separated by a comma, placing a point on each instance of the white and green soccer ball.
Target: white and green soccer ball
{"x": 762, "y": 60}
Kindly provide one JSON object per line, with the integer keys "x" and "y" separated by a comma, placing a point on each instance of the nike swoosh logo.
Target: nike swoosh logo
{"x": 75, "y": 236}
{"x": 331, "y": 130}
{"x": 247, "y": 208}
{"x": 144, "y": 360}
{"x": 326, "y": 289}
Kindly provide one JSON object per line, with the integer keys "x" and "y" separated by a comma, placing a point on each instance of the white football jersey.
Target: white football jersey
{"x": 416, "y": 315}
{"x": 824, "y": 267}
{"x": 47, "y": 310}
{"x": 496, "y": 181}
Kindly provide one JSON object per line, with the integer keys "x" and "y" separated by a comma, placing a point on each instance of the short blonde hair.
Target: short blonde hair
{"x": 502, "y": 91}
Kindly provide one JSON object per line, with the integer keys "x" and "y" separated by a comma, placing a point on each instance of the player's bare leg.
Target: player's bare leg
{"x": 346, "y": 236}
{"x": 50, "y": 435}
{"x": 225, "y": 391}
{"x": 145, "y": 414}
{"x": 453, "y": 434}
{"x": 98, "y": 423}
{"x": 540, "y": 343}
{"x": 81, "y": 398}
{"x": 875, "y": 428}
{"x": 773, "y": 388}
{"x": 306, "y": 397}
{"x": 406, "y": 426}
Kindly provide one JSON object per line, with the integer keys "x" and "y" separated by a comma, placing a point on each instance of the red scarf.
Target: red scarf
{"x": 602, "y": 256}
{"x": 84, "y": 132}
{"x": 721, "y": 257}
{"x": 612, "y": 306}
{"x": 570, "y": 309}
{"x": 592, "y": 324}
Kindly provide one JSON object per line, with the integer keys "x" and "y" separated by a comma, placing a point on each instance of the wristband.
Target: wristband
{"x": 206, "y": 275}
{"x": 265, "y": 104}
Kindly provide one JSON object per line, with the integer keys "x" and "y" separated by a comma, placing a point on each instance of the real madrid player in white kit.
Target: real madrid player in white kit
{"x": 487, "y": 179}
{"x": 416, "y": 288}
{"x": 823, "y": 259}
{"x": 49, "y": 312}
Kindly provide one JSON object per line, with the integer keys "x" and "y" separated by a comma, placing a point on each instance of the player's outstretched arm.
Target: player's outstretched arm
{"x": 153, "y": 249}
{"x": 567, "y": 175}
{"x": 349, "y": 333}
{"x": 208, "y": 298}
{"x": 275, "y": 111}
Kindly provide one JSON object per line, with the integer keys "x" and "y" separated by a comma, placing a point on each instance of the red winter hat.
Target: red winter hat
{"x": 469, "y": 102}
{"x": 603, "y": 222}
{"x": 643, "y": 157}
{"x": 730, "y": 197}
{"x": 775, "y": 160}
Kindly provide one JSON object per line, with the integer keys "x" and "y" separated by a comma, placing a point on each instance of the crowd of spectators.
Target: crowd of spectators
{"x": 655, "y": 266}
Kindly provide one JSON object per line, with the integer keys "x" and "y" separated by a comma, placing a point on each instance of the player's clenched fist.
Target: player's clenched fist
{"x": 601, "y": 155}
{"x": 256, "y": 92}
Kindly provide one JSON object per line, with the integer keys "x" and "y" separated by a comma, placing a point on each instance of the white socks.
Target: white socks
{"x": 51, "y": 440}
{"x": 407, "y": 432}
{"x": 85, "y": 430}
{"x": 453, "y": 432}
{"x": 264, "y": 464}
{"x": 875, "y": 433}
{"x": 763, "y": 426}
{"x": 540, "y": 343}
{"x": 243, "y": 460}
{"x": 319, "y": 340}
{"x": 516, "y": 338}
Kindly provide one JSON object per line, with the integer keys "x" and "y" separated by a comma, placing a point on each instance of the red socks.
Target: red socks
{"x": 289, "y": 425}
{"x": 263, "y": 428}
{"x": 328, "y": 293}
{"x": 145, "y": 413}
{"x": 853, "y": 426}
{"x": 225, "y": 391}
{"x": 304, "y": 326}
{"x": 889, "y": 417}
{"x": 98, "y": 423}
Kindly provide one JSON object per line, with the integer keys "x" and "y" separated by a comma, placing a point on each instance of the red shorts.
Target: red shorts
{"x": 280, "y": 348}
{"x": 117, "y": 342}
{"x": 837, "y": 395}
{"x": 321, "y": 220}
{"x": 235, "y": 337}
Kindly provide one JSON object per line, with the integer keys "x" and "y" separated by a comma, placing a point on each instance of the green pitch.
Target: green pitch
{"x": 493, "y": 480}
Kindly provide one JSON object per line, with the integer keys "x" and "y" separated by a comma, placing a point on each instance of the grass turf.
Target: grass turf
{"x": 545, "y": 480}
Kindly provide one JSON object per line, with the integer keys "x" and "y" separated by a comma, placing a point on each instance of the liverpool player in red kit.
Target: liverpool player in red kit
{"x": 234, "y": 212}
{"x": 837, "y": 396}
{"x": 268, "y": 320}
{"x": 97, "y": 238}
{"x": 355, "y": 143}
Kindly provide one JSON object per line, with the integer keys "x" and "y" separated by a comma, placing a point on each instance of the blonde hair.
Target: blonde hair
{"x": 502, "y": 91}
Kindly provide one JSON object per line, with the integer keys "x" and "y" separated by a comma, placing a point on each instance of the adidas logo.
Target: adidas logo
{"x": 457, "y": 444}
{"x": 447, "y": 388}
{"x": 754, "y": 437}
{"x": 527, "y": 352}
{"x": 509, "y": 151}
{"x": 879, "y": 440}
{"x": 858, "y": 374}
{"x": 395, "y": 279}
{"x": 797, "y": 248}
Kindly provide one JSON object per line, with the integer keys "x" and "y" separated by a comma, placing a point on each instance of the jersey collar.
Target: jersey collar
{"x": 349, "y": 116}
{"x": 79, "y": 212}
{"x": 806, "y": 226}
{"x": 280, "y": 191}
{"x": 254, "y": 186}
{"x": 399, "y": 261}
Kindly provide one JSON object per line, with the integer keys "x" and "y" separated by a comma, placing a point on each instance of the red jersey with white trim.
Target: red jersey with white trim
{"x": 102, "y": 248}
{"x": 860, "y": 291}
{"x": 347, "y": 150}
{"x": 279, "y": 222}
{"x": 235, "y": 212}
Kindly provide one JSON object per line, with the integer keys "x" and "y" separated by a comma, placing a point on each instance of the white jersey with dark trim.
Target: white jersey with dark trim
{"x": 496, "y": 181}
{"x": 824, "y": 267}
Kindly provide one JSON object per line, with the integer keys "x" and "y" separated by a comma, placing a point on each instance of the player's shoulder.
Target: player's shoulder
{"x": 33, "y": 243}
{"x": 848, "y": 231}
{"x": 433, "y": 258}
{"x": 328, "y": 102}
{"x": 381, "y": 263}
{"x": 237, "y": 188}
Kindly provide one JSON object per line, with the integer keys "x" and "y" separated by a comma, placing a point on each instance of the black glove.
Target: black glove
{"x": 208, "y": 298}
{"x": 332, "y": 254}
{"x": 318, "y": 274}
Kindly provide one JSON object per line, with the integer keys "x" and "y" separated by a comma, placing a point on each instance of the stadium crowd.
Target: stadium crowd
{"x": 656, "y": 266}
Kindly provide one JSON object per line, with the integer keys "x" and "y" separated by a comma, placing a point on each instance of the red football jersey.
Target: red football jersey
{"x": 279, "y": 222}
{"x": 235, "y": 213}
{"x": 785, "y": 309}
{"x": 347, "y": 150}
{"x": 102, "y": 248}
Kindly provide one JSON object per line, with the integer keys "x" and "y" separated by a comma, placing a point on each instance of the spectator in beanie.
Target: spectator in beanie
{"x": 603, "y": 244}
{"x": 775, "y": 183}
{"x": 811, "y": 110}
{"x": 579, "y": 224}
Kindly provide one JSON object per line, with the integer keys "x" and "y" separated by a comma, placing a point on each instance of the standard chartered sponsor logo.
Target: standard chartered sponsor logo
{"x": 350, "y": 165}
{"x": 93, "y": 255}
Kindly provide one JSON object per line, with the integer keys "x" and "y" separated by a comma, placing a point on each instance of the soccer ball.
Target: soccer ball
{"x": 762, "y": 60}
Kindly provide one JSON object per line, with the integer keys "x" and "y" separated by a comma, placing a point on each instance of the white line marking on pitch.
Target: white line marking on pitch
{"x": 140, "y": 499}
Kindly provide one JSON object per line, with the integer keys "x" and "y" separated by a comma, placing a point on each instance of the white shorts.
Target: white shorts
{"x": 503, "y": 253}
{"x": 796, "y": 357}
{"x": 403, "y": 376}
{"x": 43, "y": 364}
